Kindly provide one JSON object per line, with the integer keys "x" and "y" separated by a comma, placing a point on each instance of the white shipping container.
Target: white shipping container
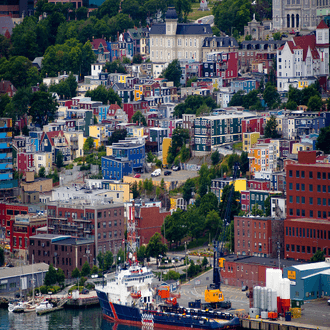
{"x": 274, "y": 301}
{"x": 286, "y": 288}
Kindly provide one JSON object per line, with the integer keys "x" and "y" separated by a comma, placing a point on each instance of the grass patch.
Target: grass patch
{"x": 238, "y": 146}
{"x": 197, "y": 14}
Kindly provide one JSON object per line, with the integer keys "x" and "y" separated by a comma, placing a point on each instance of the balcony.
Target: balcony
{"x": 74, "y": 139}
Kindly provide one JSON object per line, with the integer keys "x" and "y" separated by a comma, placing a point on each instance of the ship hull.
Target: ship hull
{"x": 133, "y": 316}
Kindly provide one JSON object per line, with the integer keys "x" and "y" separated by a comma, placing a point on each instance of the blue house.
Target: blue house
{"x": 35, "y": 139}
{"x": 103, "y": 110}
{"x": 127, "y": 157}
{"x": 247, "y": 85}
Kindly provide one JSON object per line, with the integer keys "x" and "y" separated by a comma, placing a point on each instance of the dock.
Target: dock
{"x": 84, "y": 302}
{"x": 59, "y": 306}
{"x": 264, "y": 324}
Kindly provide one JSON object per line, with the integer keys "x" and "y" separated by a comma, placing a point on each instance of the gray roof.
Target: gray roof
{"x": 38, "y": 61}
{"x": 6, "y": 272}
{"x": 226, "y": 41}
{"x": 171, "y": 13}
{"x": 183, "y": 29}
{"x": 6, "y": 23}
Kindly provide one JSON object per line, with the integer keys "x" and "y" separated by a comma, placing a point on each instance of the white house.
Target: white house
{"x": 303, "y": 58}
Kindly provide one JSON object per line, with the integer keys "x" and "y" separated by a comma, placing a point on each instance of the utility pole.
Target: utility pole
{"x": 279, "y": 254}
{"x": 185, "y": 248}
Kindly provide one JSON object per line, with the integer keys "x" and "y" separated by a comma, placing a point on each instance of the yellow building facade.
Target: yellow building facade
{"x": 166, "y": 145}
{"x": 249, "y": 140}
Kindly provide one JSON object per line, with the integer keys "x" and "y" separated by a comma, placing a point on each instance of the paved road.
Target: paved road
{"x": 174, "y": 176}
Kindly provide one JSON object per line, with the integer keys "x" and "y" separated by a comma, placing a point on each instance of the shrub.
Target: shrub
{"x": 43, "y": 289}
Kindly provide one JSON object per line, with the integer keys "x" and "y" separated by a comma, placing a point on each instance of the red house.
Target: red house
{"x": 25, "y": 162}
{"x": 253, "y": 125}
{"x": 6, "y": 87}
{"x": 258, "y": 184}
{"x": 132, "y": 107}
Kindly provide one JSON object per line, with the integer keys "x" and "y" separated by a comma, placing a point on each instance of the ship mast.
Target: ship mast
{"x": 131, "y": 235}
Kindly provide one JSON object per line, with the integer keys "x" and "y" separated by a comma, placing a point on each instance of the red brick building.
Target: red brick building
{"x": 22, "y": 227}
{"x": 250, "y": 271}
{"x": 303, "y": 237}
{"x": 253, "y": 125}
{"x": 132, "y": 107}
{"x": 105, "y": 222}
{"x": 258, "y": 184}
{"x": 308, "y": 188}
{"x": 149, "y": 220}
{"x": 25, "y": 162}
{"x": 63, "y": 252}
{"x": 257, "y": 236}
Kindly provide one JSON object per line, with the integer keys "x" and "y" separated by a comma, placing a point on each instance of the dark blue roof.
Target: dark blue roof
{"x": 226, "y": 41}
{"x": 182, "y": 29}
{"x": 171, "y": 13}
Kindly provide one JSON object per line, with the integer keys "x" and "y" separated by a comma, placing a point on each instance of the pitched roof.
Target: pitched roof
{"x": 97, "y": 42}
{"x": 183, "y": 29}
{"x": 307, "y": 41}
{"x": 114, "y": 106}
{"x": 52, "y": 135}
{"x": 322, "y": 25}
{"x": 6, "y": 24}
{"x": 291, "y": 45}
{"x": 6, "y": 85}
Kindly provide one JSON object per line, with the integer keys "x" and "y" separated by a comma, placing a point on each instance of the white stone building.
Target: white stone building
{"x": 305, "y": 56}
{"x": 172, "y": 40}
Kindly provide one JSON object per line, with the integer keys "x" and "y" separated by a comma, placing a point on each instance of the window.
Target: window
{"x": 297, "y": 174}
{"x": 310, "y": 200}
{"x": 311, "y": 175}
{"x": 319, "y": 175}
{"x": 297, "y": 186}
{"x": 302, "y": 187}
{"x": 290, "y": 173}
{"x": 302, "y": 199}
{"x": 303, "y": 174}
{"x": 290, "y": 186}
{"x": 310, "y": 187}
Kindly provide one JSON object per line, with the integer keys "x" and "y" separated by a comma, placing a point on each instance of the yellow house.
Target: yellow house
{"x": 301, "y": 146}
{"x": 279, "y": 121}
{"x": 43, "y": 159}
{"x": 99, "y": 133}
{"x": 135, "y": 131}
{"x": 120, "y": 186}
{"x": 83, "y": 88}
{"x": 249, "y": 140}
{"x": 108, "y": 150}
{"x": 76, "y": 140}
{"x": 218, "y": 185}
{"x": 166, "y": 145}
{"x": 122, "y": 78}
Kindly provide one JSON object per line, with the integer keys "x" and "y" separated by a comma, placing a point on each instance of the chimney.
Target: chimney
{"x": 92, "y": 37}
{"x": 117, "y": 35}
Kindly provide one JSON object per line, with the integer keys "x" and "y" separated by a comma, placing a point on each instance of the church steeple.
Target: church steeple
{"x": 171, "y": 20}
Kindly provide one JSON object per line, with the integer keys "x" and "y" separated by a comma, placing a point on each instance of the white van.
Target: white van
{"x": 156, "y": 172}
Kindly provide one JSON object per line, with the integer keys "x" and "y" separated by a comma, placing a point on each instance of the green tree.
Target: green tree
{"x": 318, "y": 256}
{"x": 94, "y": 270}
{"x": 256, "y": 211}
{"x": 108, "y": 260}
{"x": 237, "y": 99}
{"x": 104, "y": 95}
{"x": 194, "y": 221}
{"x": 215, "y": 157}
{"x": 205, "y": 262}
{"x": 174, "y": 227}
{"x": 204, "y": 181}
{"x": 267, "y": 206}
{"x": 271, "y": 96}
{"x": 291, "y": 105}
{"x": 244, "y": 162}
{"x": 142, "y": 254}
{"x": 322, "y": 142}
{"x": 315, "y": 103}
{"x": 173, "y": 72}
{"x": 41, "y": 172}
{"x": 43, "y": 107}
{"x": 137, "y": 58}
{"x": 155, "y": 246}
{"x": 4, "y": 101}
{"x": 60, "y": 277}
{"x": 235, "y": 204}
{"x": 230, "y": 14}
{"x": 271, "y": 128}
{"x": 135, "y": 190}
{"x": 114, "y": 66}
{"x": 75, "y": 273}
{"x": 191, "y": 269}
{"x": 192, "y": 103}
{"x": 208, "y": 203}
{"x": 179, "y": 138}
{"x": 59, "y": 160}
{"x": 100, "y": 260}
{"x": 277, "y": 35}
{"x": 126, "y": 60}
{"x": 184, "y": 153}
{"x": 2, "y": 257}
{"x": 117, "y": 135}
{"x": 86, "y": 269}
{"x": 88, "y": 145}
{"x": 50, "y": 277}
{"x": 150, "y": 157}
{"x": 187, "y": 189}
{"x": 189, "y": 81}
{"x": 213, "y": 222}
{"x": 172, "y": 275}
{"x": 139, "y": 118}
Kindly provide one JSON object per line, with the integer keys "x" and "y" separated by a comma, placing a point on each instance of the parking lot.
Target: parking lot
{"x": 174, "y": 176}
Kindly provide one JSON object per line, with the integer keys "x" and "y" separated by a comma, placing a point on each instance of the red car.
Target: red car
{"x": 137, "y": 176}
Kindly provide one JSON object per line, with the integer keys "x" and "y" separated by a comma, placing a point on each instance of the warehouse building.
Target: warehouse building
{"x": 309, "y": 281}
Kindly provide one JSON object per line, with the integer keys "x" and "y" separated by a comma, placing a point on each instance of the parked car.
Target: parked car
{"x": 85, "y": 291}
{"x": 329, "y": 302}
{"x": 137, "y": 176}
{"x": 244, "y": 288}
{"x": 156, "y": 172}
{"x": 176, "y": 168}
{"x": 284, "y": 36}
{"x": 167, "y": 173}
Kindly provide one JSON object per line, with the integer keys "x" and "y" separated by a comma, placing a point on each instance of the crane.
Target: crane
{"x": 213, "y": 294}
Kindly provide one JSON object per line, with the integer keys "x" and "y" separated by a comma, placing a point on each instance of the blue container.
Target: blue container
{"x": 287, "y": 316}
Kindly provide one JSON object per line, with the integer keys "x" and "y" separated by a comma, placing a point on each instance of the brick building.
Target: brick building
{"x": 103, "y": 221}
{"x": 22, "y": 227}
{"x": 257, "y": 236}
{"x": 250, "y": 271}
{"x": 303, "y": 237}
{"x": 62, "y": 251}
{"x": 308, "y": 187}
